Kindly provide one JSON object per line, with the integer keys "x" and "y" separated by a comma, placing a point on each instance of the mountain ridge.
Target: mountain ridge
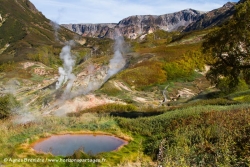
{"x": 212, "y": 18}
{"x": 136, "y": 25}
{"x": 133, "y": 26}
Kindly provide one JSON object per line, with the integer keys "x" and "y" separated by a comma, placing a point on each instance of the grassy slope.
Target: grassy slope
{"x": 202, "y": 135}
{"x": 24, "y": 29}
{"x": 215, "y": 135}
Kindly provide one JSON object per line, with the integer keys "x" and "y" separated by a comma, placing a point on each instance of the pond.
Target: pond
{"x": 67, "y": 144}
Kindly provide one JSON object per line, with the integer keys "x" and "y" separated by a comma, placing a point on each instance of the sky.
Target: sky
{"x": 112, "y": 11}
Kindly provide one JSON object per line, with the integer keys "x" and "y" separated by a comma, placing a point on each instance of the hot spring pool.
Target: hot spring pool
{"x": 67, "y": 144}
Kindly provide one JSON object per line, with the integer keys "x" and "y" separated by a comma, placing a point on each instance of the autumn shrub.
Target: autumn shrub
{"x": 156, "y": 39}
{"x": 144, "y": 74}
{"x": 175, "y": 70}
{"x": 7, "y": 67}
{"x": 191, "y": 61}
{"x": 107, "y": 108}
{"x": 173, "y": 53}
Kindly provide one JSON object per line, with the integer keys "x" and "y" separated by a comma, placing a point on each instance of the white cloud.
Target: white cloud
{"x": 112, "y": 11}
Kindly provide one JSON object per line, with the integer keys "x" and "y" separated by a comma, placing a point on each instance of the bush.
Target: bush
{"x": 7, "y": 104}
{"x": 243, "y": 96}
{"x": 7, "y": 67}
{"x": 224, "y": 86}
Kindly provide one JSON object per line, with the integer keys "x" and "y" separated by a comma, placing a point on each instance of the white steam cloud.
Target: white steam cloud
{"x": 23, "y": 113}
{"x": 56, "y": 27}
{"x": 65, "y": 72}
{"x": 118, "y": 62}
{"x": 55, "y": 22}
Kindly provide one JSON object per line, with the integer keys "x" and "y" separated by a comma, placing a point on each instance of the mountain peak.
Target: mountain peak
{"x": 193, "y": 11}
{"x": 31, "y": 6}
{"x": 213, "y": 18}
{"x": 229, "y": 4}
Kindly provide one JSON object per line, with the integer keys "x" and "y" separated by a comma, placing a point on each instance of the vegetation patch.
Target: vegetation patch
{"x": 216, "y": 101}
{"x": 146, "y": 73}
{"x": 47, "y": 55}
{"x": 109, "y": 89}
{"x": 195, "y": 136}
{"x": 8, "y": 104}
{"x": 107, "y": 108}
{"x": 7, "y": 67}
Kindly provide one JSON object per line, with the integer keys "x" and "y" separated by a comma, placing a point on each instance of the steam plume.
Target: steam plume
{"x": 93, "y": 83}
{"x": 118, "y": 62}
{"x": 56, "y": 27}
{"x": 55, "y": 22}
{"x": 66, "y": 72}
{"x": 94, "y": 80}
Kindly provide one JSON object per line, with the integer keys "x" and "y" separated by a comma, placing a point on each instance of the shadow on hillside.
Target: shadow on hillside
{"x": 134, "y": 114}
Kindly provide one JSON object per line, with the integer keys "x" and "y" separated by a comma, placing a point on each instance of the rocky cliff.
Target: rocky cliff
{"x": 134, "y": 26}
{"x": 92, "y": 30}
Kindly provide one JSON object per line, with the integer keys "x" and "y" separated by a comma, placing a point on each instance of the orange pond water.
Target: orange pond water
{"x": 67, "y": 144}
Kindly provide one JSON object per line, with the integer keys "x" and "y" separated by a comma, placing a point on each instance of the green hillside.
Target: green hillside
{"x": 23, "y": 28}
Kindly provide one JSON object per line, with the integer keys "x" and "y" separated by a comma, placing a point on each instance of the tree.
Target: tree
{"x": 229, "y": 47}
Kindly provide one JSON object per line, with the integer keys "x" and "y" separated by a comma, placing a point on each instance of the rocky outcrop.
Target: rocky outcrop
{"x": 92, "y": 30}
{"x": 142, "y": 24}
{"x": 134, "y": 26}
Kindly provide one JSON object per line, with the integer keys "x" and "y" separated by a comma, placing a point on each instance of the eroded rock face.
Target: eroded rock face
{"x": 134, "y": 26}
{"x": 92, "y": 30}
{"x": 168, "y": 22}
